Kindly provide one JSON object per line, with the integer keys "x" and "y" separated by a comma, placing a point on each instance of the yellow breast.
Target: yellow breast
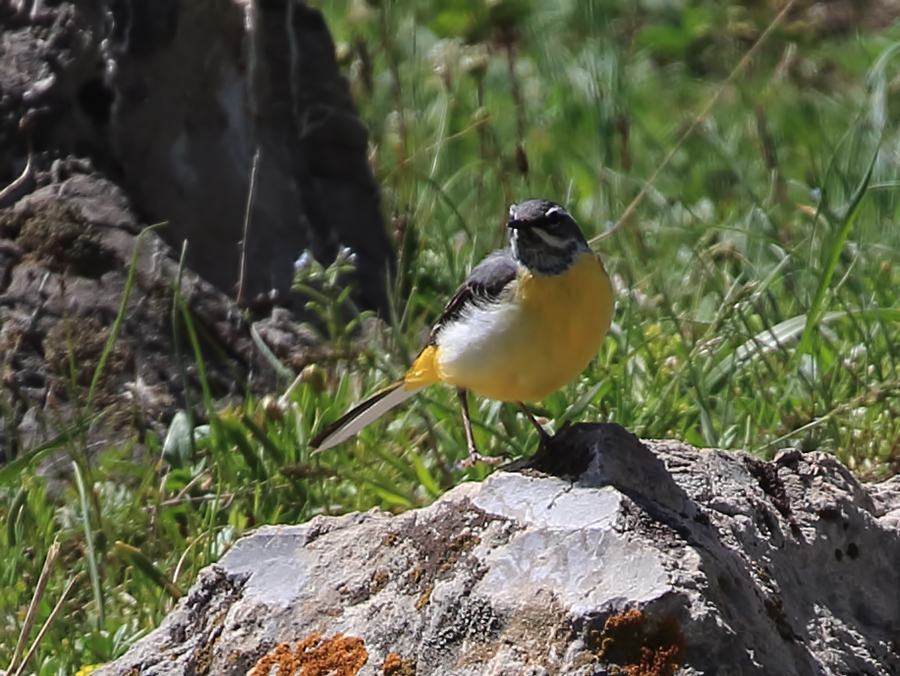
{"x": 544, "y": 337}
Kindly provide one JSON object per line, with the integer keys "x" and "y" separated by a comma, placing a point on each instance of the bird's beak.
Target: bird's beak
{"x": 517, "y": 224}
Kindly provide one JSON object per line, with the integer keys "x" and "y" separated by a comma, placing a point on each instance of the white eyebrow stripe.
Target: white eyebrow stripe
{"x": 552, "y": 240}
{"x": 556, "y": 210}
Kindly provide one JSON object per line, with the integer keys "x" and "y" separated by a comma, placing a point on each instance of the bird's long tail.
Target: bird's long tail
{"x": 359, "y": 416}
{"x": 422, "y": 373}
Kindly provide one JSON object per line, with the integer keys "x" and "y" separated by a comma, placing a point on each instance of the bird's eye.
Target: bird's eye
{"x": 554, "y": 216}
{"x": 551, "y": 219}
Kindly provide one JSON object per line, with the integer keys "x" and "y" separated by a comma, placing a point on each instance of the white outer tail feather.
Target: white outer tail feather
{"x": 369, "y": 415}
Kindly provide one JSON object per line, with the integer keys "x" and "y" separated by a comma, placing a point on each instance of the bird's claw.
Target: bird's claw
{"x": 475, "y": 456}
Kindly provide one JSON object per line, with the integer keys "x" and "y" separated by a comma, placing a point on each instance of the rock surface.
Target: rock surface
{"x": 171, "y": 100}
{"x": 198, "y": 88}
{"x": 656, "y": 557}
{"x": 70, "y": 247}
{"x": 115, "y": 114}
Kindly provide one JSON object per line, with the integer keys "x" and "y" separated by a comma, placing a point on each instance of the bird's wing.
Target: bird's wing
{"x": 487, "y": 282}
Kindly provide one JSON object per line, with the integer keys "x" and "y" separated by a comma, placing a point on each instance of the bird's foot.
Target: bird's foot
{"x": 475, "y": 456}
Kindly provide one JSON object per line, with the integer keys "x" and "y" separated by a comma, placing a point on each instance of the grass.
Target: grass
{"x": 756, "y": 283}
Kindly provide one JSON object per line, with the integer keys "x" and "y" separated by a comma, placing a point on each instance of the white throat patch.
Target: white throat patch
{"x": 514, "y": 242}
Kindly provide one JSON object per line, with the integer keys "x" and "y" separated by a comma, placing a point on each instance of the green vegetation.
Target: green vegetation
{"x": 757, "y": 282}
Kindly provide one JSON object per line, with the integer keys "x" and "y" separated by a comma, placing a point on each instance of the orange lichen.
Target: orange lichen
{"x": 336, "y": 656}
{"x": 394, "y": 666}
{"x": 391, "y": 664}
{"x": 641, "y": 647}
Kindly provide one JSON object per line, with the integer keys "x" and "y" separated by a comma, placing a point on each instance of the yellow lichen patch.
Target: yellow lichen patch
{"x": 336, "y": 656}
{"x": 424, "y": 597}
{"x": 203, "y": 657}
{"x": 395, "y": 666}
{"x": 640, "y": 646}
{"x": 379, "y": 581}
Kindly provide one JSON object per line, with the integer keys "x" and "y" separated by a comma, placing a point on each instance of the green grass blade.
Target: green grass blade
{"x": 12, "y": 472}
{"x": 198, "y": 354}
{"x": 136, "y": 558}
{"x": 401, "y": 467}
{"x": 263, "y": 439}
{"x": 93, "y": 567}
{"x": 814, "y": 315}
{"x": 389, "y": 494}
{"x": 120, "y": 317}
{"x": 784, "y": 334}
{"x": 579, "y": 406}
{"x": 16, "y": 507}
{"x": 427, "y": 481}
{"x": 236, "y": 436}
{"x": 270, "y": 357}
{"x": 178, "y": 446}
{"x": 877, "y": 83}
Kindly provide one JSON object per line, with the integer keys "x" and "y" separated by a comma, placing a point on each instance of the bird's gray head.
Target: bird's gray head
{"x": 544, "y": 237}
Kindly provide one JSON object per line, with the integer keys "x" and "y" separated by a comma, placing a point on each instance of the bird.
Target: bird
{"x": 528, "y": 320}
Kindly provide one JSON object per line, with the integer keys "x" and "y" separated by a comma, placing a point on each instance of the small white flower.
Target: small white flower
{"x": 304, "y": 262}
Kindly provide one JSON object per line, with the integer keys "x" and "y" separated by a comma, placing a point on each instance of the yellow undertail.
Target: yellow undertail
{"x": 424, "y": 371}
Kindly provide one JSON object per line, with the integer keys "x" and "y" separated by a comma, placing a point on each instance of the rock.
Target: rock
{"x": 198, "y": 89}
{"x": 171, "y": 100}
{"x": 119, "y": 113}
{"x": 655, "y": 556}
{"x": 68, "y": 250}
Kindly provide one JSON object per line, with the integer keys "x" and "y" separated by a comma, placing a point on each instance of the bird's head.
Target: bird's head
{"x": 544, "y": 237}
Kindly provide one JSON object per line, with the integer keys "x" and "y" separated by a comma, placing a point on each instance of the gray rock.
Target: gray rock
{"x": 171, "y": 100}
{"x": 65, "y": 268}
{"x": 657, "y": 553}
{"x": 119, "y": 113}
{"x": 200, "y": 87}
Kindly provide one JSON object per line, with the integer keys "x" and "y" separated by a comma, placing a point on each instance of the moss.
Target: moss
{"x": 86, "y": 338}
{"x": 57, "y": 237}
{"x": 639, "y": 646}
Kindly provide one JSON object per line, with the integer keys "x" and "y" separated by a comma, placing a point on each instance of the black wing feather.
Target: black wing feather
{"x": 486, "y": 283}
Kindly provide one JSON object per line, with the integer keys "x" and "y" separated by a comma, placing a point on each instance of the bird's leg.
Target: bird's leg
{"x": 474, "y": 455}
{"x": 545, "y": 438}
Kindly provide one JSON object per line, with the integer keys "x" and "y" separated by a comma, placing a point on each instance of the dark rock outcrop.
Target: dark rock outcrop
{"x": 69, "y": 249}
{"x": 171, "y": 100}
{"x": 115, "y": 114}
{"x": 197, "y": 93}
{"x": 655, "y": 557}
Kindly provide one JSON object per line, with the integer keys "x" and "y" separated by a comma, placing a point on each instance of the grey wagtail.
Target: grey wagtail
{"x": 527, "y": 321}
